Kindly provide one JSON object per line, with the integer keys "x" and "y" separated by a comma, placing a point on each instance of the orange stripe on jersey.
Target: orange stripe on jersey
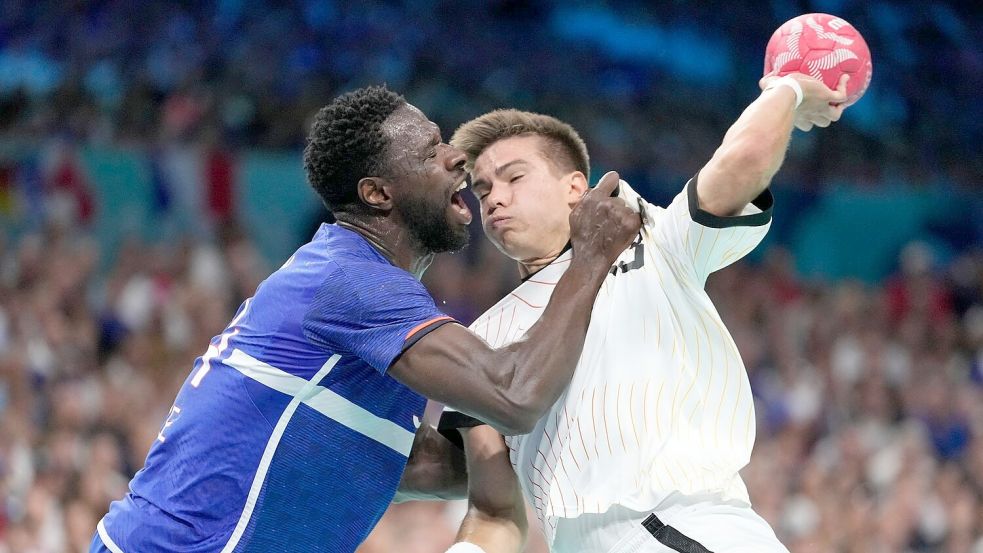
{"x": 566, "y": 419}
{"x": 501, "y": 315}
{"x": 593, "y": 419}
{"x": 559, "y": 457}
{"x": 631, "y": 403}
{"x": 520, "y": 298}
{"x": 553, "y": 472}
{"x": 617, "y": 404}
{"x": 425, "y": 324}
{"x": 512, "y": 320}
{"x": 580, "y": 430}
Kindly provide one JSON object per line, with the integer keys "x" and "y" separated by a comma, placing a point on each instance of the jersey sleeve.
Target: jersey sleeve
{"x": 372, "y": 311}
{"x": 701, "y": 241}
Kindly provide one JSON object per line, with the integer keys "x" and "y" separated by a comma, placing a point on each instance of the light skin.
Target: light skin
{"x": 739, "y": 171}
{"x": 509, "y": 387}
{"x": 526, "y": 200}
{"x": 496, "y": 509}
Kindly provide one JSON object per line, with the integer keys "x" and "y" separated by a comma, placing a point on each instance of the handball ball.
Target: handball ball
{"x": 822, "y": 46}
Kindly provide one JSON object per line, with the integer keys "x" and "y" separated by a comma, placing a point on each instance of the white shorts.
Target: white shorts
{"x": 681, "y": 524}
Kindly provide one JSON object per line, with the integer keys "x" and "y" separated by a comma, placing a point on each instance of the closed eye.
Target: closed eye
{"x": 517, "y": 177}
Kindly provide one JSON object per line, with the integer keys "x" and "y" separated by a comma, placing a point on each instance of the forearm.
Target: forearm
{"x": 496, "y": 519}
{"x": 436, "y": 469}
{"x": 751, "y": 153}
{"x": 512, "y": 387}
{"x": 539, "y": 367}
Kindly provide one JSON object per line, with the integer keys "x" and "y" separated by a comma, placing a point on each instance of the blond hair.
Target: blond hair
{"x": 562, "y": 146}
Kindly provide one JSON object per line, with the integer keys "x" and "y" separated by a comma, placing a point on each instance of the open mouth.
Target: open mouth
{"x": 459, "y": 206}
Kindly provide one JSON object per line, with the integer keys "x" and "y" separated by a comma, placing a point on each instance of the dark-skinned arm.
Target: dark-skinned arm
{"x": 435, "y": 469}
{"x": 512, "y": 387}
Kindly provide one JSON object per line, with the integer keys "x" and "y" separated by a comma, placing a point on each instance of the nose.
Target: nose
{"x": 455, "y": 159}
{"x": 499, "y": 195}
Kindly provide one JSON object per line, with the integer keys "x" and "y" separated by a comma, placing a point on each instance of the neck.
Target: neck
{"x": 395, "y": 243}
{"x": 533, "y": 265}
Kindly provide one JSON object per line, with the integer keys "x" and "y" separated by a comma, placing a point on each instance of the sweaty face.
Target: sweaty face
{"x": 428, "y": 176}
{"x": 525, "y": 199}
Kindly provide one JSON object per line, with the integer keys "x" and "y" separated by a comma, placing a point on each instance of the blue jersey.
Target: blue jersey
{"x": 288, "y": 435}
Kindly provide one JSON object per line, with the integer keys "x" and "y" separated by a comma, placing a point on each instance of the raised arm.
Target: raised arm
{"x": 754, "y": 147}
{"x": 496, "y": 518}
{"x": 512, "y": 387}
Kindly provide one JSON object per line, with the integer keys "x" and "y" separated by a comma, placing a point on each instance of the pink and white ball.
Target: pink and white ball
{"x": 822, "y": 46}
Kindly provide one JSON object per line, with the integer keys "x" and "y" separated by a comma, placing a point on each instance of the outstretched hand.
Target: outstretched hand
{"x": 820, "y": 105}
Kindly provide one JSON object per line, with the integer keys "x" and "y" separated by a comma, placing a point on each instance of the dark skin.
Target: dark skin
{"x": 420, "y": 167}
{"x": 436, "y": 469}
{"x": 511, "y": 387}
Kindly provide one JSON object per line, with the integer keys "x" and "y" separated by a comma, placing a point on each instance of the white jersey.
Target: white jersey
{"x": 660, "y": 400}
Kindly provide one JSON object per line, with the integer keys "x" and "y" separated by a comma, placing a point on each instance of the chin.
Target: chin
{"x": 452, "y": 240}
{"x": 510, "y": 251}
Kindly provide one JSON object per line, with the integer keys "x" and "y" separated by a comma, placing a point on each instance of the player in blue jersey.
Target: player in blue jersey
{"x": 293, "y": 429}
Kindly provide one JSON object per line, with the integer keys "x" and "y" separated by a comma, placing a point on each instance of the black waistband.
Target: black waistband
{"x": 670, "y": 537}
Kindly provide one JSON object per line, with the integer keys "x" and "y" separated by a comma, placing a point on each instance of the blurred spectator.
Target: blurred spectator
{"x": 624, "y": 73}
{"x": 869, "y": 432}
{"x": 869, "y": 395}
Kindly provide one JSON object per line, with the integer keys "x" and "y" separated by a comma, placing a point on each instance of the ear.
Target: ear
{"x": 578, "y": 187}
{"x": 374, "y": 194}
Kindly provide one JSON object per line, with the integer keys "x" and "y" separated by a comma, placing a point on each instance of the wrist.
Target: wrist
{"x": 589, "y": 270}
{"x": 789, "y": 82}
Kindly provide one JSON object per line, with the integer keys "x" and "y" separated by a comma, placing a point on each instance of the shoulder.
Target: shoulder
{"x": 357, "y": 286}
{"x": 349, "y": 267}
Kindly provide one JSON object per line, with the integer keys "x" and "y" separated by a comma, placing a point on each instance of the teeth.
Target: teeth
{"x": 464, "y": 184}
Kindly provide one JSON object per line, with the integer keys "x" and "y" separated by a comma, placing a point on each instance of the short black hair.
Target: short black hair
{"x": 347, "y": 143}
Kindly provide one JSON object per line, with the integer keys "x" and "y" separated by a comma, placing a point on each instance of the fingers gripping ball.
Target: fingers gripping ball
{"x": 822, "y": 46}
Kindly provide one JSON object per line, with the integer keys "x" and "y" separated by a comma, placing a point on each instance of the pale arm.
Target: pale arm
{"x": 754, "y": 147}
{"x": 496, "y": 519}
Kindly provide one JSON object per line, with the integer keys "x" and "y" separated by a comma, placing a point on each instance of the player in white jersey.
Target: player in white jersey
{"x": 641, "y": 453}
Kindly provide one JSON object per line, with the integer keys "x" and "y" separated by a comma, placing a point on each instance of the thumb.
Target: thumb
{"x": 607, "y": 184}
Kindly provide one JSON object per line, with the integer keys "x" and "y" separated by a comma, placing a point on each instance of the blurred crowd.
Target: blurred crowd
{"x": 652, "y": 87}
{"x": 870, "y": 435}
{"x": 869, "y": 397}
